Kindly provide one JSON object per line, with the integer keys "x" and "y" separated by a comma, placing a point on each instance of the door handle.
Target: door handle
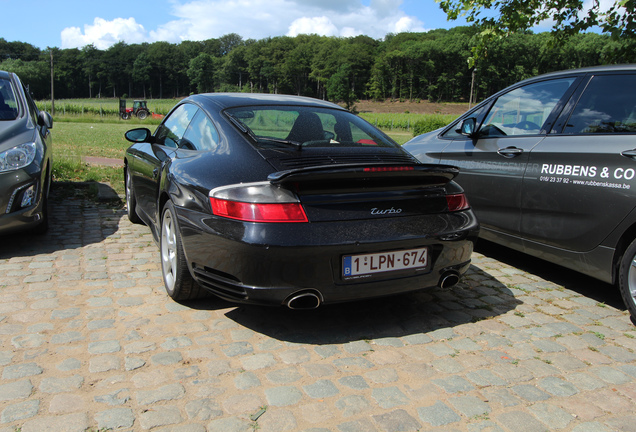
{"x": 629, "y": 153}
{"x": 155, "y": 173}
{"x": 510, "y": 152}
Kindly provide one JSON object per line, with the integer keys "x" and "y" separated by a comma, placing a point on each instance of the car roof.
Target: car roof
{"x": 5, "y": 74}
{"x": 581, "y": 71}
{"x": 231, "y": 100}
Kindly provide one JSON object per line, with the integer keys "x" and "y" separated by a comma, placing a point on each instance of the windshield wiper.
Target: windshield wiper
{"x": 241, "y": 126}
{"x": 252, "y": 135}
{"x": 281, "y": 141}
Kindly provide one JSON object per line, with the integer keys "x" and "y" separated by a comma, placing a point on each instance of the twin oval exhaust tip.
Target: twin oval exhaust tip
{"x": 304, "y": 300}
{"x": 448, "y": 280}
{"x": 307, "y": 300}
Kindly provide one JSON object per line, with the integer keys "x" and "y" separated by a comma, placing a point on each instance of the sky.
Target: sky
{"x": 77, "y": 23}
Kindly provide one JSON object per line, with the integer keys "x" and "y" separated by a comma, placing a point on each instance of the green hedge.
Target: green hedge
{"x": 431, "y": 122}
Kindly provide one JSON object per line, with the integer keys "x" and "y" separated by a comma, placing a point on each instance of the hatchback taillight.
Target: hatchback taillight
{"x": 457, "y": 202}
{"x": 257, "y": 202}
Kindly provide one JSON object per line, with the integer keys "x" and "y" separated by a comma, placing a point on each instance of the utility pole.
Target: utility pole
{"x": 52, "y": 94}
{"x": 472, "y": 84}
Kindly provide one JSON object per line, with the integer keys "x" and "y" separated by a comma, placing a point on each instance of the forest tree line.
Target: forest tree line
{"x": 403, "y": 66}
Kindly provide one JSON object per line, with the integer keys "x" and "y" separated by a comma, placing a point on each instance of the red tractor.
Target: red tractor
{"x": 139, "y": 109}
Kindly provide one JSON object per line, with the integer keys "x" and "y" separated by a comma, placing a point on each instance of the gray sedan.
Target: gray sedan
{"x": 549, "y": 166}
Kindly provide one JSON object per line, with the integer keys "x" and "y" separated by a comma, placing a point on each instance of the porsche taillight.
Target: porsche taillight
{"x": 257, "y": 202}
{"x": 457, "y": 202}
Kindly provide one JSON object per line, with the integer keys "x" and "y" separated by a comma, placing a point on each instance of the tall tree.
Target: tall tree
{"x": 228, "y": 42}
{"x": 160, "y": 56}
{"x": 500, "y": 18}
{"x": 91, "y": 64}
{"x": 201, "y": 72}
{"x": 339, "y": 86}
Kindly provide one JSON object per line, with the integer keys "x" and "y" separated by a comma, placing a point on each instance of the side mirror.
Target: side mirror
{"x": 138, "y": 135}
{"x": 45, "y": 119}
{"x": 468, "y": 127}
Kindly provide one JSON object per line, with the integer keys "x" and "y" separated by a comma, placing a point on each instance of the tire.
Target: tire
{"x": 627, "y": 279}
{"x": 142, "y": 114}
{"x": 131, "y": 200}
{"x": 177, "y": 279}
{"x": 43, "y": 226}
{"x": 125, "y": 116}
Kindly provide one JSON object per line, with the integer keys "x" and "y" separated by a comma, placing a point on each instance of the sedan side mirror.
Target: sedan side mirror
{"x": 468, "y": 127}
{"x": 138, "y": 135}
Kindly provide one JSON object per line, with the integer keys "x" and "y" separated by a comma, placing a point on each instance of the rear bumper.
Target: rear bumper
{"x": 269, "y": 263}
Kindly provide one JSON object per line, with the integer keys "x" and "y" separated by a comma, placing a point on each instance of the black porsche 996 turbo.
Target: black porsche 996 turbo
{"x": 285, "y": 200}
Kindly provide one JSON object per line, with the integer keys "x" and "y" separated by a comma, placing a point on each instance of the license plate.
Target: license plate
{"x": 369, "y": 264}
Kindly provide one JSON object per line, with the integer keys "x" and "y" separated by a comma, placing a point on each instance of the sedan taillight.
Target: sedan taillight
{"x": 257, "y": 202}
{"x": 457, "y": 202}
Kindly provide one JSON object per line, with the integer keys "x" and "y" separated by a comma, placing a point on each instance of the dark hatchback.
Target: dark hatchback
{"x": 285, "y": 200}
{"x": 25, "y": 159}
{"x": 549, "y": 165}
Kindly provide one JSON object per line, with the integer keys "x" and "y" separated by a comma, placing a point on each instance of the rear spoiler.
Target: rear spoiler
{"x": 425, "y": 175}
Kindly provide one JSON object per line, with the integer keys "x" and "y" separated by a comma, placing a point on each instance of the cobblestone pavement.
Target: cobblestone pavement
{"x": 90, "y": 341}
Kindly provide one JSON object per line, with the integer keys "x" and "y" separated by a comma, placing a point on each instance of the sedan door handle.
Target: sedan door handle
{"x": 629, "y": 153}
{"x": 510, "y": 152}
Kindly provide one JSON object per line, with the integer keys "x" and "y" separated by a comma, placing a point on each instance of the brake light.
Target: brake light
{"x": 389, "y": 169}
{"x": 257, "y": 202}
{"x": 457, "y": 202}
{"x": 250, "y": 212}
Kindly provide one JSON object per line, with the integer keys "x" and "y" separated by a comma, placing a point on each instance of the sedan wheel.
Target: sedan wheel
{"x": 176, "y": 276}
{"x": 627, "y": 279}
{"x": 131, "y": 200}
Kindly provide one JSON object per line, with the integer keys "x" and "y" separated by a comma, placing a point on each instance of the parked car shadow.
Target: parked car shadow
{"x": 481, "y": 296}
{"x": 80, "y": 214}
{"x": 585, "y": 285}
{"x": 389, "y": 317}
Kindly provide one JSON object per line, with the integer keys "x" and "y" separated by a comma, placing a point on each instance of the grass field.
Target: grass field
{"x": 74, "y": 140}
{"x": 102, "y": 106}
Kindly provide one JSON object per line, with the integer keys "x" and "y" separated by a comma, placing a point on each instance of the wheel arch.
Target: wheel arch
{"x": 163, "y": 199}
{"x": 125, "y": 168}
{"x": 621, "y": 246}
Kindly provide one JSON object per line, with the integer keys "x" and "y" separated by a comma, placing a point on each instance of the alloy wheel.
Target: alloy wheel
{"x": 631, "y": 278}
{"x": 169, "y": 251}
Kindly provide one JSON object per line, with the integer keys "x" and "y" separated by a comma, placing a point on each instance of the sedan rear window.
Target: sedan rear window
{"x": 306, "y": 127}
{"x": 8, "y": 103}
{"x": 608, "y": 105}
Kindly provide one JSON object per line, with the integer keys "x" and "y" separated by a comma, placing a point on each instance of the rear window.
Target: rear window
{"x": 608, "y": 105}
{"x": 8, "y": 103}
{"x": 306, "y": 127}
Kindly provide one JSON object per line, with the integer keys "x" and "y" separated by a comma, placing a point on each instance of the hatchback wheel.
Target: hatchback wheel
{"x": 43, "y": 226}
{"x": 627, "y": 279}
{"x": 176, "y": 277}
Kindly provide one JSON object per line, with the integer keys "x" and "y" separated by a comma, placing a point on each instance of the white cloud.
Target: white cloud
{"x": 318, "y": 25}
{"x": 407, "y": 24}
{"x": 255, "y": 19}
{"x": 104, "y": 33}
